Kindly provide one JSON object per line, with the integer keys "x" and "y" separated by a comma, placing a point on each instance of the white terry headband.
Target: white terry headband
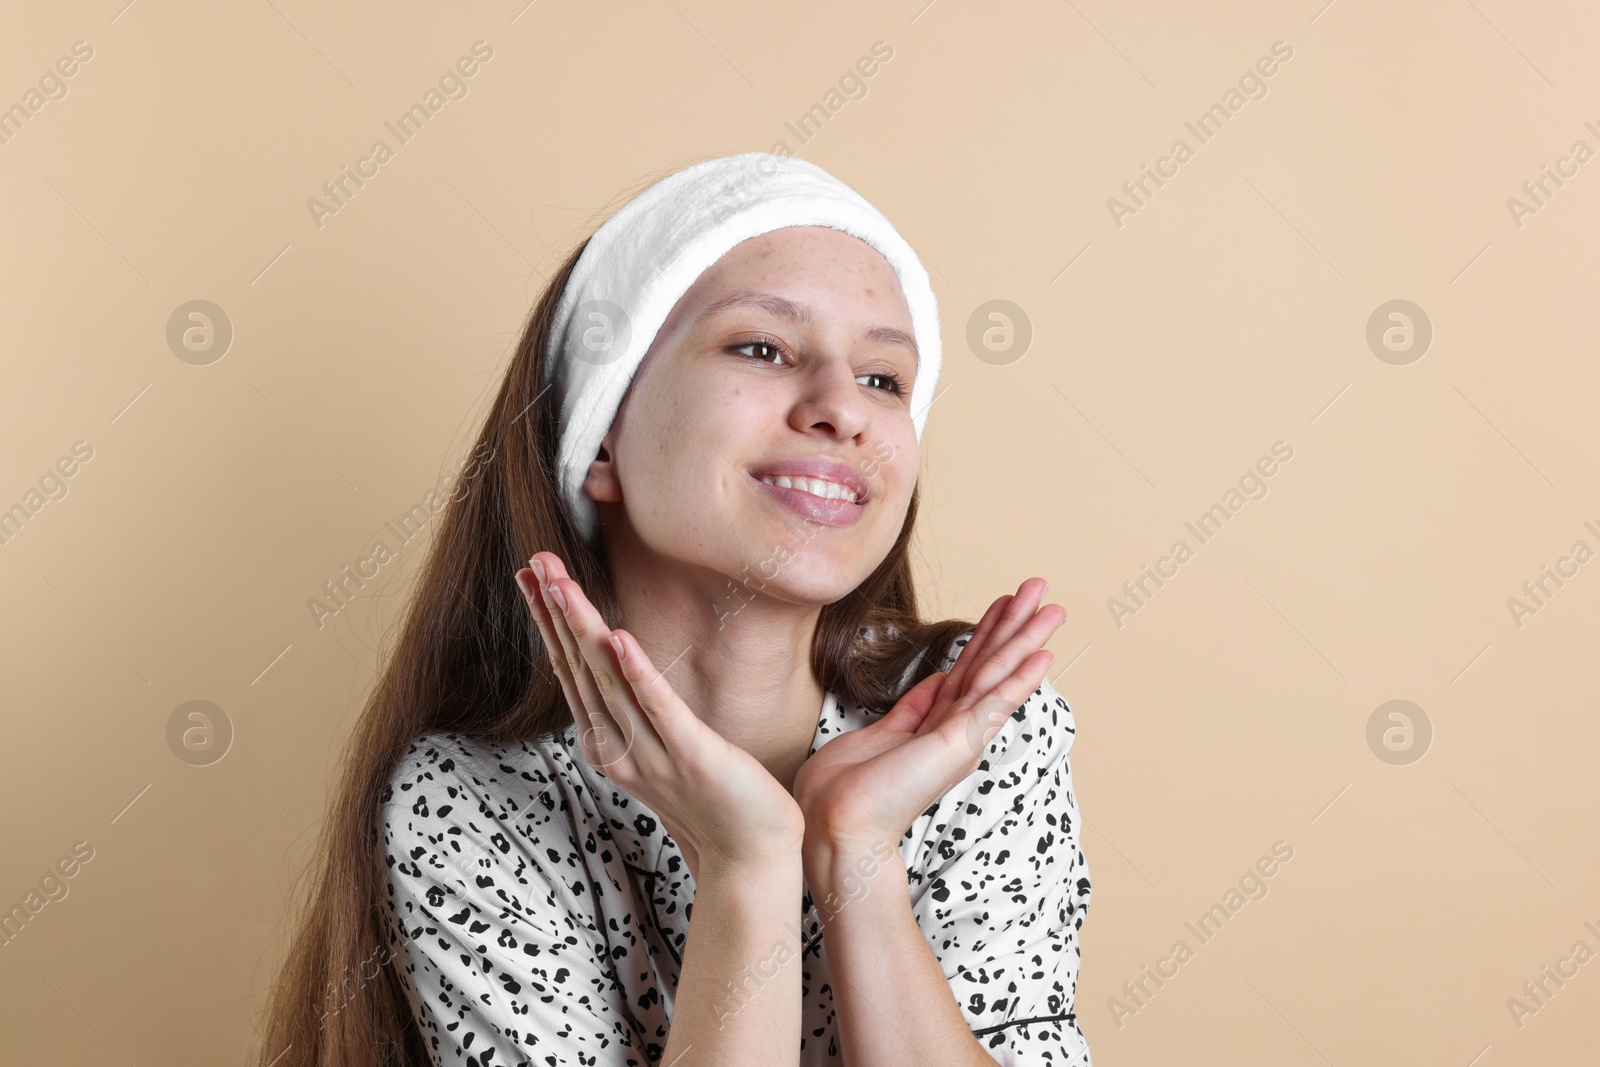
{"x": 644, "y": 258}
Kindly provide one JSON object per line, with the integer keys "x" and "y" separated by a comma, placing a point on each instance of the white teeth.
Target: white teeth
{"x": 815, "y": 486}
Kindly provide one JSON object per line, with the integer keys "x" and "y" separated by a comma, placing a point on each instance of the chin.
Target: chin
{"x": 797, "y": 576}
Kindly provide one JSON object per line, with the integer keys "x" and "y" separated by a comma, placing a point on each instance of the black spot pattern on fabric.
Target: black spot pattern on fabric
{"x": 539, "y": 914}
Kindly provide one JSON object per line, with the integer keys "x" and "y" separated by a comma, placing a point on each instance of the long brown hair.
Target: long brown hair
{"x": 469, "y": 660}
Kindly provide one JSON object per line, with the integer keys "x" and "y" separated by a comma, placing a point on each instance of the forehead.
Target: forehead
{"x": 816, "y": 266}
{"x": 802, "y": 244}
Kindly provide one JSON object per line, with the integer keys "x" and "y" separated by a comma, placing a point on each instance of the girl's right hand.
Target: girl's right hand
{"x": 716, "y": 800}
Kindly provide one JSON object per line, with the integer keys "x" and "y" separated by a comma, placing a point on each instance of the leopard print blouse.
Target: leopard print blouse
{"x": 538, "y": 914}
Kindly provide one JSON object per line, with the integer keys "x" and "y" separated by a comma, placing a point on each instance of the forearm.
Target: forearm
{"x": 893, "y": 1004}
{"x": 738, "y": 995}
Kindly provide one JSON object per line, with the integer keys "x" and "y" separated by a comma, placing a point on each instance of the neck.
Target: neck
{"x": 739, "y": 659}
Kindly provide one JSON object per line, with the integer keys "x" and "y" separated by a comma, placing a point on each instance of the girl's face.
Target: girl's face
{"x": 793, "y": 353}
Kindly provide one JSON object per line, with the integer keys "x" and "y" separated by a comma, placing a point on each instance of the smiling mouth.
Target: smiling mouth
{"x": 817, "y": 487}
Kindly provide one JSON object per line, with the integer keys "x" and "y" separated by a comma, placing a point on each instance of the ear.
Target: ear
{"x": 601, "y": 482}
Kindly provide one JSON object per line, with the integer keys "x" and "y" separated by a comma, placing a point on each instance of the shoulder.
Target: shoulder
{"x": 441, "y": 771}
{"x": 481, "y": 835}
{"x": 1022, "y": 784}
{"x": 459, "y": 798}
{"x": 1042, "y": 725}
{"x": 1031, "y": 750}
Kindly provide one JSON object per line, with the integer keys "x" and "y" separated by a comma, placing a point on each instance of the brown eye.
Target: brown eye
{"x": 760, "y": 343}
{"x": 894, "y": 385}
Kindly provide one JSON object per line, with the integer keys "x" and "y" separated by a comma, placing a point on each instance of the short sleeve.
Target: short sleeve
{"x": 499, "y": 969}
{"x": 1002, "y": 889}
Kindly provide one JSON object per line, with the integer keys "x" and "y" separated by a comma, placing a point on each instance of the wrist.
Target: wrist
{"x": 823, "y": 842}
{"x": 834, "y": 866}
{"x": 765, "y": 874}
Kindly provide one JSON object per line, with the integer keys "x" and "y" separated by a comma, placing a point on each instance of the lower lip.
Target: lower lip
{"x": 815, "y": 508}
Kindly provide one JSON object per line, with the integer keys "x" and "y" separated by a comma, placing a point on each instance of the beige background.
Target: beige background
{"x": 1228, "y": 313}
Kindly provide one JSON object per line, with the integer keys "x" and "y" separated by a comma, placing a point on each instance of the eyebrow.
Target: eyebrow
{"x": 802, "y": 314}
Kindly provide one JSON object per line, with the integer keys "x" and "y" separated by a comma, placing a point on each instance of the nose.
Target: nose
{"x": 830, "y": 399}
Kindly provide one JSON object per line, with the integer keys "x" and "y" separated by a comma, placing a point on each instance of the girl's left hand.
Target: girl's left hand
{"x": 866, "y": 786}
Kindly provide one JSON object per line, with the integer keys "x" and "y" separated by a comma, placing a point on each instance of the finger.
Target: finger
{"x": 1017, "y": 611}
{"x": 592, "y": 724}
{"x": 1007, "y": 611}
{"x": 929, "y": 764}
{"x": 913, "y": 707}
{"x": 541, "y": 612}
{"x": 528, "y": 582}
{"x": 662, "y": 710}
{"x": 613, "y": 737}
{"x": 1018, "y": 605}
{"x": 972, "y": 651}
{"x": 1005, "y": 659}
{"x": 596, "y": 726}
{"x": 672, "y": 727}
{"x": 1001, "y": 702}
{"x": 604, "y": 672}
{"x": 541, "y": 607}
{"x": 557, "y": 616}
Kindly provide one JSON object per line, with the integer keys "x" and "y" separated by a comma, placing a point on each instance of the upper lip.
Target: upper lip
{"x": 831, "y": 470}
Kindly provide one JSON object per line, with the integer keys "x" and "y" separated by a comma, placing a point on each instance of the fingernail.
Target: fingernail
{"x": 616, "y": 643}
{"x": 559, "y": 598}
{"x": 538, "y": 569}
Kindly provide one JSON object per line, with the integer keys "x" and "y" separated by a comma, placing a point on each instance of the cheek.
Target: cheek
{"x": 897, "y": 458}
{"x": 689, "y": 454}
{"x": 730, "y": 417}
